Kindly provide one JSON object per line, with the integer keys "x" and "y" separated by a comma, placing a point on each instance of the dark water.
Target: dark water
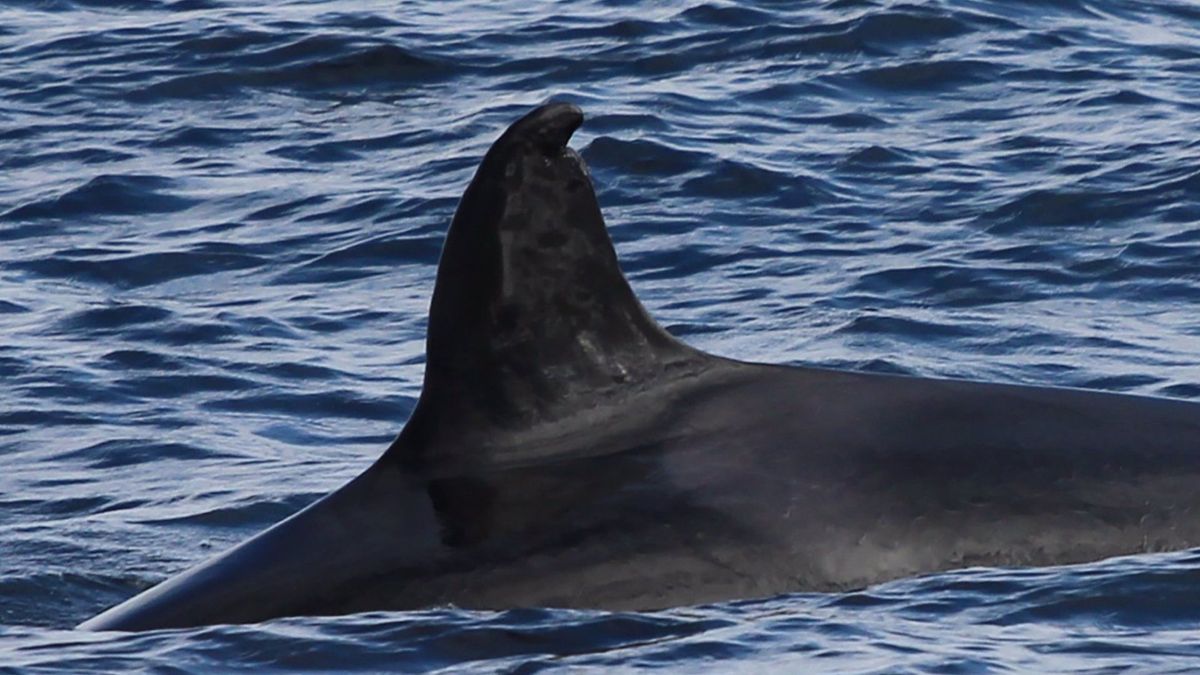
{"x": 219, "y": 224}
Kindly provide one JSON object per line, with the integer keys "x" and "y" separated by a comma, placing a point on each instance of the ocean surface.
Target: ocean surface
{"x": 220, "y": 221}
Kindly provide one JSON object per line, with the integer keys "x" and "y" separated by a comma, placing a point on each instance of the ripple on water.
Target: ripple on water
{"x": 123, "y": 452}
{"x": 106, "y": 195}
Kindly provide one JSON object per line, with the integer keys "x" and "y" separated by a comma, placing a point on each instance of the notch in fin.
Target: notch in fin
{"x": 531, "y": 319}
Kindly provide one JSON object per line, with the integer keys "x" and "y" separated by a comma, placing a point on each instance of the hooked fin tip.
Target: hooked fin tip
{"x": 550, "y": 125}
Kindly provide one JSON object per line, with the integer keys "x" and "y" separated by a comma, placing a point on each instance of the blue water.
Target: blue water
{"x": 219, "y": 225}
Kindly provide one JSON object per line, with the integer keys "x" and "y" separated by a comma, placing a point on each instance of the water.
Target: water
{"x": 219, "y": 229}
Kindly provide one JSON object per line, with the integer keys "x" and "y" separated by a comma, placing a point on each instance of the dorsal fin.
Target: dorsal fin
{"x": 531, "y": 319}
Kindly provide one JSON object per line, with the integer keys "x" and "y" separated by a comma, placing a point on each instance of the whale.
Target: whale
{"x": 567, "y": 451}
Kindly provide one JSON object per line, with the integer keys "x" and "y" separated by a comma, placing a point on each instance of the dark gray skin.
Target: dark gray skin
{"x": 567, "y": 452}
